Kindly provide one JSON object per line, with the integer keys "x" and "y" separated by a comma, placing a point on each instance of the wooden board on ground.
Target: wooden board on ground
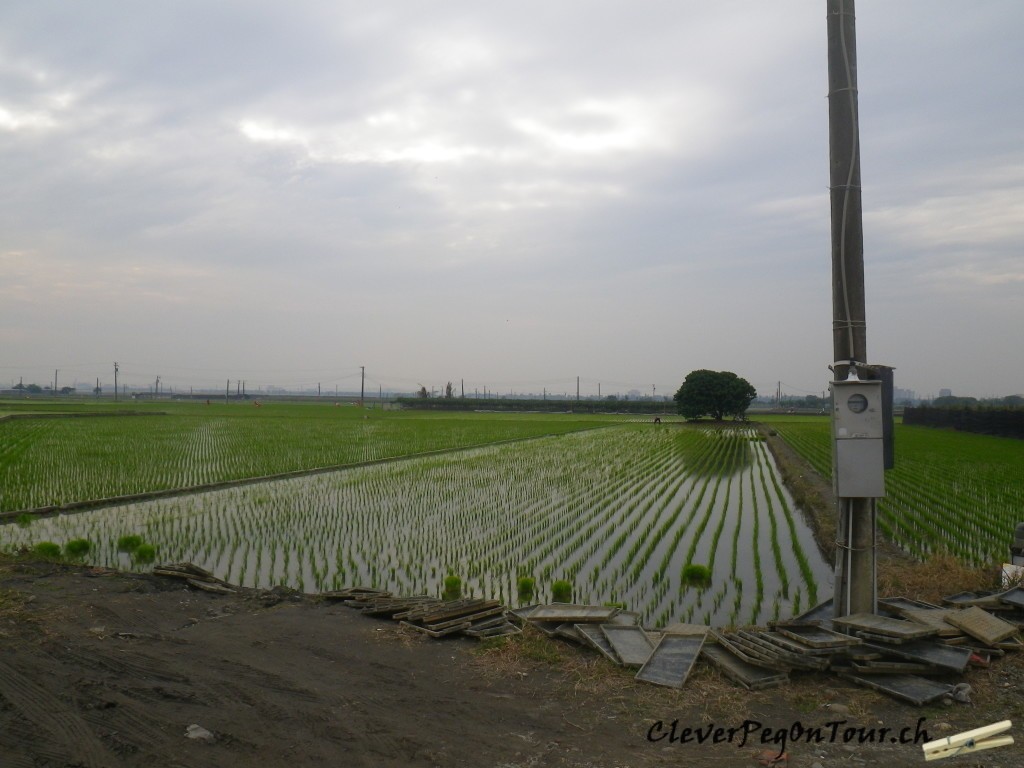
{"x": 819, "y": 614}
{"x": 574, "y": 614}
{"x": 815, "y": 636}
{"x": 982, "y": 625}
{"x": 631, "y": 644}
{"x": 688, "y": 630}
{"x": 934, "y": 618}
{"x": 748, "y": 675}
{"x": 945, "y": 657}
{"x": 910, "y": 688}
{"x": 1014, "y": 597}
{"x": 672, "y": 660}
{"x": 593, "y": 635}
{"x": 883, "y": 625}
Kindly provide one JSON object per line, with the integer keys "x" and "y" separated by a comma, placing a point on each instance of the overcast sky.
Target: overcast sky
{"x": 513, "y": 194}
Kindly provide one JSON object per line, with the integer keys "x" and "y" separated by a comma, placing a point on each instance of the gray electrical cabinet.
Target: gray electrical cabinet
{"x": 858, "y": 430}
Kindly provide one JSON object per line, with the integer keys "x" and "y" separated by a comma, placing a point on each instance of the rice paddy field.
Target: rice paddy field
{"x": 621, "y": 512}
{"x": 678, "y": 522}
{"x": 53, "y": 461}
{"x": 951, "y": 492}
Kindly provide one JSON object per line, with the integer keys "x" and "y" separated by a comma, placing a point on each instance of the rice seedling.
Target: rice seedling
{"x": 146, "y": 553}
{"x": 47, "y": 549}
{"x": 77, "y": 547}
{"x": 452, "y": 587}
{"x": 128, "y": 543}
{"x": 561, "y": 591}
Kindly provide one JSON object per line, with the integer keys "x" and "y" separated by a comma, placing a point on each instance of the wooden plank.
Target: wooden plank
{"x": 689, "y": 630}
{"x": 672, "y": 660}
{"x": 1014, "y": 597}
{"x": 816, "y": 637}
{"x": 934, "y": 618}
{"x": 794, "y": 646}
{"x": 631, "y": 644}
{"x": 819, "y": 614}
{"x": 884, "y": 625}
{"x": 739, "y": 671}
{"x": 435, "y": 632}
{"x": 944, "y": 657}
{"x": 593, "y": 635}
{"x": 981, "y": 624}
{"x": 910, "y": 688}
{"x": 742, "y": 653}
{"x": 574, "y": 614}
{"x": 800, "y": 659}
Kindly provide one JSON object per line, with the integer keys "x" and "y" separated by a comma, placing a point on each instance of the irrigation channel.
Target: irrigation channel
{"x": 618, "y": 512}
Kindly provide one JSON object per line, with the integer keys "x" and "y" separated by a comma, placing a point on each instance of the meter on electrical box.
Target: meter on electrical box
{"x": 858, "y": 436}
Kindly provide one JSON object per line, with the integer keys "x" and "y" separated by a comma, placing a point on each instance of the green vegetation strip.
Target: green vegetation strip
{"x": 53, "y": 463}
{"x": 950, "y": 492}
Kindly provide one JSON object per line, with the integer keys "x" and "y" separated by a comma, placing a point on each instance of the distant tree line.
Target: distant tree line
{"x": 607, "y": 405}
{"x": 985, "y": 420}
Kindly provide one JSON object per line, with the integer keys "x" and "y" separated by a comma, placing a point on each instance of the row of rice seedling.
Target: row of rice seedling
{"x": 626, "y": 514}
{"x": 949, "y": 492}
{"x": 55, "y": 461}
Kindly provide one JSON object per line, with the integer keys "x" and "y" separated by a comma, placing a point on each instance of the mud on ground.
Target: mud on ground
{"x": 99, "y": 668}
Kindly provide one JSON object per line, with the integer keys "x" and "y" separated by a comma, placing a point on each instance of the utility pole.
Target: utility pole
{"x": 156, "y": 387}
{"x": 577, "y": 389}
{"x": 462, "y": 382}
{"x": 362, "y": 384}
{"x": 599, "y": 390}
{"x": 116, "y": 368}
{"x": 855, "y": 575}
{"x": 227, "y": 391}
{"x": 55, "y": 372}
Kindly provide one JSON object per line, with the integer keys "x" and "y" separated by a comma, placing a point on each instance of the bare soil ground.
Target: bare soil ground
{"x": 99, "y": 668}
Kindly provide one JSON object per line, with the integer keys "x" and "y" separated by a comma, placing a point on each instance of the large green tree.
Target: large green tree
{"x": 714, "y": 393}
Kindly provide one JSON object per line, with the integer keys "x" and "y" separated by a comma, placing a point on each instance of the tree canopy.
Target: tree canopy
{"x": 714, "y": 393}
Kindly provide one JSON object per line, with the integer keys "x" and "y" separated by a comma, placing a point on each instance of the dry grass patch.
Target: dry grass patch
{"x": 937, "y": 577}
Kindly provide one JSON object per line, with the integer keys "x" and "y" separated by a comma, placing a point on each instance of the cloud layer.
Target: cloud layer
{"x": 514, "y": 195}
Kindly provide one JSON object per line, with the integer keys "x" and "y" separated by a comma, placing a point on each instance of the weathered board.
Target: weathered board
{"x": 631, "y": 644}
{"x": 883, "y": 625}
{"x": 916, "y": 690}
{"x": 819, "y": 614}
{"x": 748, "y": 675}
{"x": 593, "y": 635}
{"x": 982, "y": 625}
{"x": 1014, "y": 597}
{"x": 575, "y": 614}
{"x": 934, "y": 618}
{"x": 672, "y": 660}
{"x": 944, "y": 657}
{"x": 816, "y": 637}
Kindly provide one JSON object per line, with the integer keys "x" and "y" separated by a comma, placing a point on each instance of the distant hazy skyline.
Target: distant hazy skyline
{"x": 509, "y": 194}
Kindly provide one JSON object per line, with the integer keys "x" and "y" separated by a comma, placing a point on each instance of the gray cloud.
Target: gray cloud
{"x": 517, "y": 193}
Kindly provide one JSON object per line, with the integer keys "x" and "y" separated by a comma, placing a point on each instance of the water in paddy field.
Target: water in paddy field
{"x": 618, "y": 512}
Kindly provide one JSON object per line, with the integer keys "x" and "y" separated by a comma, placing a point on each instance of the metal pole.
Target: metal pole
{"x": 855, "y": 582}
{"x": 362, "y": 384}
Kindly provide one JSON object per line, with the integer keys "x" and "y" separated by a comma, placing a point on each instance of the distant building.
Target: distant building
{"x": 945, "y": 393}
{"x": 904, "y": 395}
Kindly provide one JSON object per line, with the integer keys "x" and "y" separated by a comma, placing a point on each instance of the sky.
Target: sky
{"x": 503, "y": 195}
